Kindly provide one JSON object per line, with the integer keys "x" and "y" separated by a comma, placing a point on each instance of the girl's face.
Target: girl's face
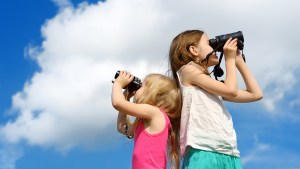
{"x": 202, "y": 49}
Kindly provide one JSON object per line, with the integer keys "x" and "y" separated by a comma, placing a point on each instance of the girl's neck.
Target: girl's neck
{"x": 202, "y": 68}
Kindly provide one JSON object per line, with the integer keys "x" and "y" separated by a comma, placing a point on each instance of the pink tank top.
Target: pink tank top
{"x": 150, "y": 149}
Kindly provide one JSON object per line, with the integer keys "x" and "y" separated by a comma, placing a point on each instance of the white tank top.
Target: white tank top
{"x": 205, "y": 123}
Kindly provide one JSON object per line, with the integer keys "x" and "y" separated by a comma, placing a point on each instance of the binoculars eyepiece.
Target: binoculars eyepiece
{"x": 134, "y": 85}
{"x": 218, "y": 42}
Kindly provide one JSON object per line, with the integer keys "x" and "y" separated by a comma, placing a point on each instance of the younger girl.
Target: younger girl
{"x": 207, "y": 136}
{"x": 157, "y": 110}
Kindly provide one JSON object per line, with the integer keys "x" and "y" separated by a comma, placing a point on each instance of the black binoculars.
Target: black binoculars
{"x": 218, "y": 42}
{"x": 134, "y": 85}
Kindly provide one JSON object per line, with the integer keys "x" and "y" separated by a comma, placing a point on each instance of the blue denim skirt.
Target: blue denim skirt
{"x": 199, "y": 159}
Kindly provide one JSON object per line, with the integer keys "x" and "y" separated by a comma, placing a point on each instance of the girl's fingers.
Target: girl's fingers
{"x": 227, "y": 42}
{"x": 124, "y": 78}
{"x": 122, "y": 73}
{"x": 126, "y": 75}
{"x": 233, "y": 42}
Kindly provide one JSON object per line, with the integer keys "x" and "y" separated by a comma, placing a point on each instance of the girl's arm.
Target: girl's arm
{"x": 123, "y": 124}
{"x": 122, "y": 105}
{"x": 253, "y": 91}
{"x": 193, "y": 76}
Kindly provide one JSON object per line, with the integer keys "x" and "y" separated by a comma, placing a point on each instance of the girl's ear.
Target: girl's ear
{"x": 194, "y": 50}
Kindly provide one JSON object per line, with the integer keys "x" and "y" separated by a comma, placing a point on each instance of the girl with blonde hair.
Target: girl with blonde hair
{"x": 156, "y": 106}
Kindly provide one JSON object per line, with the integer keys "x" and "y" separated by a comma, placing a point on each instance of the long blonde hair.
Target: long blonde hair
{"x": 162, "y": 92}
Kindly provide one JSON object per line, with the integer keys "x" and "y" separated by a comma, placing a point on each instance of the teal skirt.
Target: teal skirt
{"x": 199, "y": 159}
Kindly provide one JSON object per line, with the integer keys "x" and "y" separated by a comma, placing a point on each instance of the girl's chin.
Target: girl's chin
{"x": 213, "y": 62}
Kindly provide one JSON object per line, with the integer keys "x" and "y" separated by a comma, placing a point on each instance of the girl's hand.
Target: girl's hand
{"x": 230, "y": 48}
{"x": 124, "y": 79}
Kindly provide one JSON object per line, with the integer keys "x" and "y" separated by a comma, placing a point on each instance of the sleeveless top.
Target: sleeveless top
{"x": 150, "y": 149}
{"x": 205, "y": 122}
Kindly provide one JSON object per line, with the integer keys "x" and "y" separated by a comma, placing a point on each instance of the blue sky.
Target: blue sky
{"x": 58, "y": 58}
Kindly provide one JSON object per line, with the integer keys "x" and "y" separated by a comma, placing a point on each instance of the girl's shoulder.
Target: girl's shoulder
{"x": 189, "y": 72}
{"x": 191, "y": 67}
{"x": 158, "y": 123}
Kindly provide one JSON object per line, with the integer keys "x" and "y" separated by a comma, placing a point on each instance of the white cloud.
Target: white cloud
{"x": 9, "y": 155}
{"x": 67, "y": 102}
{"x": 276, "y": 90}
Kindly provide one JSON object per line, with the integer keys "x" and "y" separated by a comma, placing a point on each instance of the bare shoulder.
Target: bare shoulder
{"x": 189, "y": 72}
{"x": 191, "y": 68}
{"x": 157, "y": 123}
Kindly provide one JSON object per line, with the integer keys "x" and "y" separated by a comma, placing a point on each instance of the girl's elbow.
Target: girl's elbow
{"x": 115, "y": 104}
{"x": 120, "y": 129}
{"x": 259, "y": 96}
{"x": 256, "y": 97}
